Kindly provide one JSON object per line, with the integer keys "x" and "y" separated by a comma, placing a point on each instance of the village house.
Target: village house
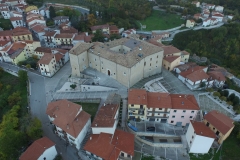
{"x": 199, "y": 137}
{"x": 219, "y": 8}
{"x": 4, "y": 44}
{"x": 21, "y": 34}
{"x": 33, "y": 19}
{"x": 48, "y": 38}
{"x": 210, "y": 6}
{"x": 219, "y": 17}
{"x": 31, "y": 9}
{"x": 190, "y": 23}
{"x": 3, "y": 6}
{"x": 64, "y": 40}
{"x": 209, "y": 21}
{"x": 20, "y": 8}
{"x": 15, "y": 14}
{"x": 38, "y": 30}
{"x": 194, "y": 77}
{"x": 113, "y": 29}
{"x": 12, "y": 2}
{"x": 196, "y": 3}
{"x": 183, "y": 67}
{"x": 127, "y": 60}
{"x": 220, "y": 124}
{"x": 84, "y": 37}
{"x": 60, "y": 19}
{"x": 175, "y": 109}
{"x": 71, "y": 123}
{"x": 16, "y": 21}
{"x": 216, "y": 79}
{"x": 42, "y": 148}
{"x": 104, "y": 28}
{"x": 128, "y": 32}
{"x": 5, "y": 13}
{"x": 45, "y": 12}
{"x": 198, "y": 16}
{"x": 51, "y": 60}
{"x": 170, "y": 62}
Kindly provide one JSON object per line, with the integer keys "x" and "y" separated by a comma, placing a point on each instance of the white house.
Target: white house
{"x": 219, "y": 17}
{"x": 230, "y": 16}
{"x": 216, "y": 78}
{"x": 210, "y": 21}
{"x": 41, "y": 149}
{"x": 194, "y": 76}
{"x": 16, "y": 21}
{"x": 128, "y": 32}
{"x": 196, "y": 3}
{"x": 199, "y": 137}
{"x": 38, "y": 30}
{"x": 3, "y": 6}
{"x": 49, "y": 38}
{"x": 70, "y": 121}
{"x": 45, "y": 12}
{"x": 15, "y": 14}
{"x": 210, "y": 6}
{"x": 219, "y": 8}
{"x": 60, "y": 19}
{"x": 190, "y": 23}
{"x": 106, "y": 119}
{"x": 5, "y": 13}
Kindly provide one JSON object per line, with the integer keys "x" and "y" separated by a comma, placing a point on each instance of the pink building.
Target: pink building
{"x": 5, "y": 35}
{"x": 184, "y": 109}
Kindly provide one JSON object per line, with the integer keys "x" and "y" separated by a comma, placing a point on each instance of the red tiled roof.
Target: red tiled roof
{"x": 137, "y": 96}
{"x": 64, "y": 35}
{"x": 216, "y": 75}
{"x": 170, "y": 50}
{"x": 108, "y": 146}
{"x": 113, "y": 28}
{"x": 105, "y": 116}
{"x": 170, "y": 59}
{"x": 195, "y": 73}
{"x": 220, "y": 121}
{"x": 67, "y": 116}
{"x": 202, "y": 130}
{"x": 182, "y": 101}
{"x": 93, "y": 28}
{"x": 16, "y": 18}
{"x": 159, "y": 100}
{"x": 3, "y": 43}
{"x": 50, "y": 34}
{"x": 46, "y": 58}
{"x": 43, "y": 49}
{"x": 37, "y": 149}
{"x": 58, "y": 56}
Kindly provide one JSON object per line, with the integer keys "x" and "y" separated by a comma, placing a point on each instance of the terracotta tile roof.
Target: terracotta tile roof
{"x": 79, "y": 37}
{"x": 37, "y": 149}
{"x": 185, "y": 53}
{"x": 6, "y": 33}
{"x": 158, "y": 100}
{"x": 216, "y": 76}
{"x": 113, "y": 144}
{"x": 16, "y": 18}
{"x": 88, "y": 38}
{"x": 43, "y": 49}
{"x": 69, "y": 30}
{"x": 170, "y": 59}
{"x": 170, "y": 50}
{"x": 20, "y": 31}
{"x": 217, "y": 15}
{"x": 58, "y": 56}
{"x": 195, "y": 73}
{"x": 105, "y": 116}
{"x": 113, "y": 28}
{"x": 182, "y": 101}
{"x": 67, "y": 116}
{"x": 46, "y": 58}
{"x": 39, "y": 28}
{"x": 4, "y": 9}
{"x": 100, "y": 145}
{"x": 202, "y": 130}
{"x": 186, "y": 66}
{"x": 154, "y": 42}
{"x": 63, "y": 51}
{"x": 124, "y": 141}
{"x": 137, "y": 96}
{"x": 50, "y": 34}
{"x": 93, "y": 28}
{"x": 220, "y": 121}
{"x": 3, "y": 5}
{"x": 64, "y": 35}
{"x": 3, "y": 43}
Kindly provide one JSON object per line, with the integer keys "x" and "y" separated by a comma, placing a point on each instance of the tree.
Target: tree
{"x": 98, "y": 36}
{"x": 28, "y": 66}
{"x": 216, "y": 94}
{"x": 23, "y": 77}
{"x": 231, "y": 97}
{"x": 223, "y": 98}
{"x": 34, "y": 130}
{"x": 52, "y": 12}
{"x": 225, "y": 93}
{"x": 235, "y": 101}
{"x": 91, "y": 20}
{"x": 1, "y": 71}
{"x": 73, "y": 86}
{"x": 11, "y": 139}
{"x": 14, "y": 98}
{"x": 58, "y": 157}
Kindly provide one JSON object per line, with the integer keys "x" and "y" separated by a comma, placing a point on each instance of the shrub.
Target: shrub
{"x": 216, "y": 94}
{"x": 223, "y": 98}
{"x": 235, "y": 101}
{"x": 225, "y": 93}
{"x": 231, "y": 97}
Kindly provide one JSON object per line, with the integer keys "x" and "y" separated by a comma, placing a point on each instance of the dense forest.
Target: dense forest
{"x": 220, "y": 45}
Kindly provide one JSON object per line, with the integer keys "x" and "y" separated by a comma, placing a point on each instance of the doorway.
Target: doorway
{"x": 109, "y": 73}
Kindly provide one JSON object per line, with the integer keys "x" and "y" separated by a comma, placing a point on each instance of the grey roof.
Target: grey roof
{"x": 138, "y": 50}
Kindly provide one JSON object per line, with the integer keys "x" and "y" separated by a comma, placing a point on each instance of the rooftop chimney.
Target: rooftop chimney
{"x": 96, "y": 125}
{"x": 90, "y": 138}
{"x": 67, "y": 126}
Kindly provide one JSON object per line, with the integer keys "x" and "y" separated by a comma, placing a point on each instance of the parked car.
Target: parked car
{"x": 151, "y": 129}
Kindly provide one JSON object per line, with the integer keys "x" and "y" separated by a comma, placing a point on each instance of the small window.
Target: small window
{"x": 192, "y": 136}
{"x": 150, "y": 59}
{"x": 173, "y": 116}
{"x": 157, "y": 56}
{"x": 172, "y": 121}
{"x": 213, "y": 128}
{"x": 95, "y": 59}
{"x": 102, "y": 67}
{"x": 132, "y": 105}
{"x": 124, "y": 73}
{"x": 156, "y": 61}
{"x": 175, "y": 111}
{"x": 150, "y": 64}
{"x": 190, "y": 117}
{"x": 184, "y": 111}
{"x": 182, "y": 116}
{"x": 160, "y": 108}
{"x": 192, "y": 111}
{"x": 144, "y": 63}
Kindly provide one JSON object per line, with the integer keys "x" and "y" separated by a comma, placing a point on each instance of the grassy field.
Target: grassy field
{"x": 90, "y": 108}
{"x": 5, "y": 24}
{"x": 161, "y": 21}
{"x": 229, "y": 151}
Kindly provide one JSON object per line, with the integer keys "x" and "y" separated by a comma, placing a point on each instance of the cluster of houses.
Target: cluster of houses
{"x": 72, "y": 124}
{"x": 211, "y": 15}
{"x": 181, "y": 110}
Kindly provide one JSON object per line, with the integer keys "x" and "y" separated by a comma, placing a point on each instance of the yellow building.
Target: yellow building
{"x": 31, "y": 8}
{"x": 18, "y": 56}
{"x": 170, "y": 62}
{"x": 21, "y": 34}
{"x": 190, "y": 23}
{"x": 185, "y": 56}
{"x": 220, "y": 124}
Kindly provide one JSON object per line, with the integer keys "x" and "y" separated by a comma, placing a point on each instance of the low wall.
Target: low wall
{"x": 88, "y": 100}
{"x": 95, "y": 88}
{"x": 175, "y": 145}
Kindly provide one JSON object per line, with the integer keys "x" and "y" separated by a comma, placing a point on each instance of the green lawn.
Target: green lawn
{"x": 161, "y": 21}
{"x": 230, "y": 151}
{"x": 90, "y": 108}
{"x": 5, "y": 24}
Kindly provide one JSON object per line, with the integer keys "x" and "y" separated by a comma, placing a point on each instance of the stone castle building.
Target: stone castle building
{"x": 127, "y": 60}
